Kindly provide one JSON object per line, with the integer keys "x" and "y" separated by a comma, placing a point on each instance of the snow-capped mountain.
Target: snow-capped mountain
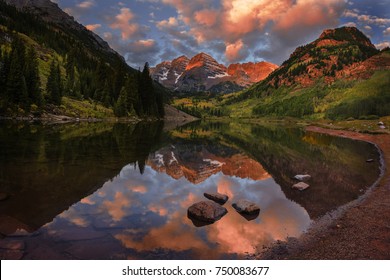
{"x": 203, "y": 73}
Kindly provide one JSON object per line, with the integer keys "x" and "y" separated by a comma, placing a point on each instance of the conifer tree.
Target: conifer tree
{"x": 54, "y": 84}
{"x": 33, "y": 83}
{"x": 15, "y": 79}
{"x": 148, "y": 96}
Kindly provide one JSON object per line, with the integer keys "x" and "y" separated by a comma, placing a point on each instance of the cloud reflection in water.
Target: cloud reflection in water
{"x": 149, "y": 211}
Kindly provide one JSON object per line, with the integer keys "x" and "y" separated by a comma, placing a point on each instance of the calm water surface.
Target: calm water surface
{"x": 121, "y": 191}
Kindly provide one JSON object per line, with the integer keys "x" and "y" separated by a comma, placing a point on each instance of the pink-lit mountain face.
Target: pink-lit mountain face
{"x": 203, "y": 73}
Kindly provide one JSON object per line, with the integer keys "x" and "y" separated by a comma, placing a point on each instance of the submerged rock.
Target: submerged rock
{"x": 247, "y": 207}
{"x": 206, "y": 211}
{"x": 304, "y": 177}
{"x": 369, "y": 160}
{"x": 217, "y": 197}
{"x": 300, "y": 186}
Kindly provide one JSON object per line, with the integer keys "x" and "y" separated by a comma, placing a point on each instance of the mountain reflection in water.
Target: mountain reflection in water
{"x": 140, "y": 212}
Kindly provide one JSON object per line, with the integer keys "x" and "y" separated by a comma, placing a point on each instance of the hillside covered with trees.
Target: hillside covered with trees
{"x": 46, "y": 66}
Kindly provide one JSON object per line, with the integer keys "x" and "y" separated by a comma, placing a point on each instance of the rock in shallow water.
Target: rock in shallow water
{"x": 217, "y": 197}
{"x": 304, "y": 177}
{"x": 300, "y": 186}
{"x": 206, "y": 211}
{"x": 247, "y": 207}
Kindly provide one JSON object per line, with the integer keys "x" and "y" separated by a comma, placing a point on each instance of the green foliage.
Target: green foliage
{"x": 19, "y": 78}
{"x": 84, "y": 69}
{"x": 368, "y": 98}
{"x": 341, "y": 100}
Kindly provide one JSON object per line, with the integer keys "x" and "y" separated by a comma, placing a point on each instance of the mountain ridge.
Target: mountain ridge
{"x": 51, "y": 64}
{"x": 339, "y": 75}
{"x": 50, "y": 11}
{"x": 203, "y": 73}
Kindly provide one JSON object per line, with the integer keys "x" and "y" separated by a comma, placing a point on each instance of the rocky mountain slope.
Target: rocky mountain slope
{"x": 331, "y": 56}
{"x": 203, "y": 73}
{"x": 50, "y": 12}
{"x": 339, "y": 75}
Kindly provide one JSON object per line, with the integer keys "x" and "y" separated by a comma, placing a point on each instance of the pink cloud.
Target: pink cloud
{"x": 93, "y": 27}
{"x": 124, "y": 24}
{"x": 171, "y": 22}
{"x": 206, "y": 17}
{"x": 236, "y": 22}
{"x": 309, "y": 13}
{"x": 141, "y": 45}
{"x": 233, "y": 51}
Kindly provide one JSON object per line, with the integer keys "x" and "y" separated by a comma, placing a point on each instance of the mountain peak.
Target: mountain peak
{"x": 330, "y": 57}
{"x": 182, "y": 57}
{"x": 202, "y": 59}
{"x": 203, "y": 73}
{"x": 345, "y": 34}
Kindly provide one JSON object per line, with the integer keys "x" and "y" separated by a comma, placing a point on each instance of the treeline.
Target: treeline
{"x": 19, "y": 79}
{"x": 201, "y": 112}
{"x": 56, "y": 61}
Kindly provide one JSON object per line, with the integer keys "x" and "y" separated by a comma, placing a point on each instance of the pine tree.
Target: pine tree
{"x": 15, "y": 79}
{"x": 33, "y": 83}
{"x": 132, "y": 97}
{"x": 54, "y": 84}
{"x": 148, "y": 96}
{"x": 120, "y": 106}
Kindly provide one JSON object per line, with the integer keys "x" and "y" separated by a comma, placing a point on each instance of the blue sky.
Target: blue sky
{"x": 229, "y": 30}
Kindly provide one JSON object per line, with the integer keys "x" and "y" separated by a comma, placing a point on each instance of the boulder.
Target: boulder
{"x": 243, "y": 206}
{"x": 217, "y": 197}
{"x": 304, "y": 177}
{"x": 300, "y": 186}
{"x": 382, "y": 127}
{"x": 370, "y": 160}
{"x": 206, "y": 211}
{"x": 381, "y": 123}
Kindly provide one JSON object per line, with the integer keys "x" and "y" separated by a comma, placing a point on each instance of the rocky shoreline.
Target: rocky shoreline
{"x": 358, "y": 230}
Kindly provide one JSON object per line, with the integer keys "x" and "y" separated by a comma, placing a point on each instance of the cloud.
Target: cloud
{"x": 368, "y": 28}
{"x": 386, "y": 32}
{"x": 141, "y": 51}
{"x": 206, "y": 17}
{"x": 124, "y": 22}
{"x": 240, "y": 24}
{"x": 383, "y": 45}
{"x": 235, "y": 51}
{"x": 367, "y": 19}
{"x": 350, "y": 24}
{"x": 93, "y": 27}
{"x": 143, "y": 45}
{"x": 166, "y": 24}
{"x": 86, "y": 4}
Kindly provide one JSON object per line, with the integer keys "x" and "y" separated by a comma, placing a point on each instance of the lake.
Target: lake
{"x": 121, "y": 191}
